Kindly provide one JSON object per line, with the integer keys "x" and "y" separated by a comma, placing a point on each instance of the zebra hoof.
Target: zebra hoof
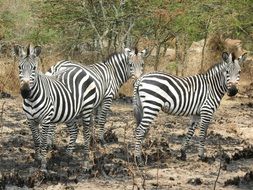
{"x": 43, "y": 168}
{"x": 207, "y": 159}
{"x": 182, "y": 156}
{"x": 87, "y": 166}
{"x": 51, "y": 146}
{"x": 139, "y": 162}
{"x": 69, "y": 152}
{"x": 203, "y": 158}
{"x": 102, "y": 142}
{"x": 38, "y": 159}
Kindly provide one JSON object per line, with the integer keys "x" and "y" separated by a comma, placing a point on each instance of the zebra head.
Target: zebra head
{"x": 27, "y": 67}
{"x": 135, "y": 61}
{"x": 232, "y": 71}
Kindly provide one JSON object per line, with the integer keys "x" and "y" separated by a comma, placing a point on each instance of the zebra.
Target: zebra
{"x": 197, "y": 96}
{"x": 50, "y": 100}
{"x": 109, "y": 76}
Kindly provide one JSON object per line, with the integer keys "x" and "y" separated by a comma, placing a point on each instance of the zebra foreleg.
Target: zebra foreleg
{"x": 44, "y": 138}
{"x": 193, "y": 124}
{"x": 203, "y": 131}
{"x": 205, "y": 120}
{"x": 73, "y": 132}
{"x": 34, "y": 126}
{"x": 51, "y": 136}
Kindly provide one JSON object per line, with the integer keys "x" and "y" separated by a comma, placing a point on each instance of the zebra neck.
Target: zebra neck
{"x": 217, "y": 85}
{"x": 119, "y": 70}
{"x": 36, "y": 90}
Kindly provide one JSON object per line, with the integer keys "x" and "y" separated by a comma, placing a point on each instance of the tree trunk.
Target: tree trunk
{"x": 157, "y": 56}
{"x": 204, "y": 46}
{"x": 177, "y": 54}
{"x": 203, "y": 55}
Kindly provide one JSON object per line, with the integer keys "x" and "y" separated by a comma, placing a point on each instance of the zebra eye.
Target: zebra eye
{"x": 33, "y": 67}
{"x": 239, "y": 72}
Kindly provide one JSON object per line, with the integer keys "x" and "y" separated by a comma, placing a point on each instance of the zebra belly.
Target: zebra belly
{"x": 158, "y": 99}
{"x": 167, "y": 109}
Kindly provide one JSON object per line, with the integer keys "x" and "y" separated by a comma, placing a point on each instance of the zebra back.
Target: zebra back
{"x": 110, "y": 74}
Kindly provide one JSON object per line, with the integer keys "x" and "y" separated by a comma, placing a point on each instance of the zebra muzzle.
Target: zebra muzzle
{"x": 232, "y": 90}
{"x": 25, "y": 90}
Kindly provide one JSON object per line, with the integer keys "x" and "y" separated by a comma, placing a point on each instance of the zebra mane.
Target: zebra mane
{"x": 216, "y": 68}
{"x": 110, "y": 56}
{"x": 116, "y": 53}
{"x": 28, "y": 50}
{"x": 135, "y": 50}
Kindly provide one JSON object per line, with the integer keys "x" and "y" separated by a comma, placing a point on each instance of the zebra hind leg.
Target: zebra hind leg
{"x": 190, "y": 132}
{"x": 141, "y": 132}
{"x": 102, "y": 119}
{"x": 87, "y": 118}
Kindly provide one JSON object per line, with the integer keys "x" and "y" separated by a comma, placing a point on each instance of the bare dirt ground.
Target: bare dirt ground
{"x": 229, "y": 146}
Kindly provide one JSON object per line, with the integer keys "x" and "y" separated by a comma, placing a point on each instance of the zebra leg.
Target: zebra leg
{"x": 97, "y": 112}
{"x": 87, "y": 118}
{"x": 141, "y": 131}
{"x": 140, "y": 134}
{"x": 86, "y": 137}
{"x": 51, "y": 136}
{"x": 34, "y": 126}
{"x": 44, "y": 138}
{"x": 205, "y": 120}
{"x": 193, "y": 124}
{"x": 102, "y": 119}
{"x": 73, "y": 132}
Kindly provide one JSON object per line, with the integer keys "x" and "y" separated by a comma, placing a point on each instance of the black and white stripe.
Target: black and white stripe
{"x": 47, "y": 100}
{"x": 198, "y": 96}
{"x": 109, "y": 76}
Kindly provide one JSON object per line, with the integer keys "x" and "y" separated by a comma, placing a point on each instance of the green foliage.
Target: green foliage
{"x": 68, "y": 22}
{"x": 7, "y": 23}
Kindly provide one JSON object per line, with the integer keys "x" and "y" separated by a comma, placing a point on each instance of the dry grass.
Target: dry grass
{"x": 9, "y": 81}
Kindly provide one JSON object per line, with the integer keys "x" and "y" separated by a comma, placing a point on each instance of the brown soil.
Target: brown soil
{"x": 229, "y": 148}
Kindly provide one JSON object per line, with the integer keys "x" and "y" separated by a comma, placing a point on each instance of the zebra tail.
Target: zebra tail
{"x": 138, "y": 111}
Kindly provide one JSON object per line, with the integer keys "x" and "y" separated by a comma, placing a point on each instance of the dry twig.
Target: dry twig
{"x": 158, "y": 165}
{"x": 218, "y": 175}
{"x": 2, "y": 113}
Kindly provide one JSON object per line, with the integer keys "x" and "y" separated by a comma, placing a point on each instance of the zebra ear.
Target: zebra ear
{"x": 144, "y": 53}
{"x": 127, "y": 51}
{"x": 18, "y": 51}
{"x": 242, "y": 58}
{"x": 225, "y": 57}
{"x": 37, "y": 51}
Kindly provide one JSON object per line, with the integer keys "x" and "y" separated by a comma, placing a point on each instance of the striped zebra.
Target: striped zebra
{"x": 109, "y": 76}
{"x": 197, "y": 96}
{"x": 47, "y": 100}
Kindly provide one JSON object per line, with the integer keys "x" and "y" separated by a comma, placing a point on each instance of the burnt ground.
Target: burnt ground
{"x": 229, "y": 148}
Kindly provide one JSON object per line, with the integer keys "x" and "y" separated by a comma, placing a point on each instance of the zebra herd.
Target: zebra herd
{"x": 69, "y": 91}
